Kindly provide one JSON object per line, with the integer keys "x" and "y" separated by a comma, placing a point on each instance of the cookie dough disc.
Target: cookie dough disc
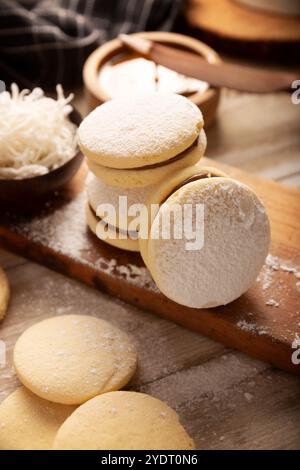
{"x": 4, "y": 293}
{"x": 129, "y": 244}
{"x": 236, "y": 241}
{"x": 28, "y": 422}
{"x": 72, "y": 358}
{"x": 143, "y": 177}
{"x": 123, "y": 421}
{"x": 144, "y": 129}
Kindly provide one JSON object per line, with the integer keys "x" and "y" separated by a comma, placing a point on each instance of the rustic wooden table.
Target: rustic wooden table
{"x": 225, "y": 399}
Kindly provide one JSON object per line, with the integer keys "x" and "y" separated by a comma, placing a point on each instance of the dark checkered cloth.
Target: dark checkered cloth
{"x": 45, "y": 42}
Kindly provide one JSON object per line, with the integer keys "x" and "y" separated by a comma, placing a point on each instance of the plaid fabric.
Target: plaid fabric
{"x": 45, "y": 42}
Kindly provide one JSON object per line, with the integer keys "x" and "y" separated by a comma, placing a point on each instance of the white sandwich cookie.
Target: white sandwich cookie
{"x": 135, "y": 142}
{"x": 125, "y": 240}
{"x": 113, "y": 204}
{"x": 153, "y": 173}
{"x": 210, "y": 256}
{"x": 132, "y": 132}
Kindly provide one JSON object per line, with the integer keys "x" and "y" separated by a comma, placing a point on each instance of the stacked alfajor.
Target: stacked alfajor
{"x": 132, "y": 145}
{"x": 203, "y": 235}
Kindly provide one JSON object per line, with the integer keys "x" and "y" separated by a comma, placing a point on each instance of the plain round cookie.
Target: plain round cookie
{"x": 72, "y": 358}
{"x": 129, "y": 244}
{"x": 28, "y": 422}
{"x": 135, "y": 131}
{"x": 4, "y": 293}
{"x": 143, "y": 177}
{"x": 123, "y": 421}
{"x": 236, "y": 242}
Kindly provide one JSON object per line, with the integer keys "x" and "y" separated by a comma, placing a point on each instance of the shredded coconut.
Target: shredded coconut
{"x": 36, "y": 134}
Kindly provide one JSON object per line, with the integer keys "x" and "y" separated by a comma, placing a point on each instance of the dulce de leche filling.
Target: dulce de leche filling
{"x": 165, "y": 162}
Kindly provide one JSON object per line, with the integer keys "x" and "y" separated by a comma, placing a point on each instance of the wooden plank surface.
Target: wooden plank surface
{"x": 263, "y": 322}
{"x": 225, "y": 399}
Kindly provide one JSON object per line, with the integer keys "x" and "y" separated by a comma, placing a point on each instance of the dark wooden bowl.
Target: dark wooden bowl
{"x": 30, "y": 192}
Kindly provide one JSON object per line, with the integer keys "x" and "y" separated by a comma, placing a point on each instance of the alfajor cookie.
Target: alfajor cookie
{"x": 4, "y": 293}
{"x": 100, "y": 194}
{"x": 119, "y": 238}
{"x": 28, "y": 422}
{"x": 217, "y": 239}
{"x": 134, "y": 132}
{"x": 123, "y": 421}
{"x": 71, "y": 358}
{"x": 153, "y": 173}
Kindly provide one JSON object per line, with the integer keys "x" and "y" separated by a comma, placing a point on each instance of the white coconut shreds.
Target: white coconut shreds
{"x": 36, "y": 134}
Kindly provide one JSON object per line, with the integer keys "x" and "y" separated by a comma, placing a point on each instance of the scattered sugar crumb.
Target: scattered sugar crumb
{"x": 272, "y": 303}
{"x": 252, "y": 327}
{"x": 248, "y": 396}
{"x": 60, "y": 353}
{"x": 288, "y": 269}
{"x": 296, "y": 341}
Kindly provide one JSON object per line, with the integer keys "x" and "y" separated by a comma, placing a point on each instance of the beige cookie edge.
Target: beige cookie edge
{"x": 24, "y": 398}
{"x": 65, "y": 437}
{"x": 4, "y": 294}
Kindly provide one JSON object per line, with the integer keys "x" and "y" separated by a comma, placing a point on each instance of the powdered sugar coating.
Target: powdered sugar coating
{"x": 134, "y": 131}
{"x": 236, "y": 241}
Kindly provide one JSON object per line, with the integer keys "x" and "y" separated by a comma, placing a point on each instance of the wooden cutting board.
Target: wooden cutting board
{"x": 263, "y": 323}
{"x": 233, "y": 28}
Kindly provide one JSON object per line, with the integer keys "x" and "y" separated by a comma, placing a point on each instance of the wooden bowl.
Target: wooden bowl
{"x": 207, "y": 101}
{"x": 30, "y": 192}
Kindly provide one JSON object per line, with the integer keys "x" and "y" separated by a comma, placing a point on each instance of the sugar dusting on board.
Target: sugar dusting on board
{"x": 65, "y": 231}
{"x": 276, "y": 278}
{"x": 211, "y": 381}
{"x": 252, "y": 327}
{"x": 272, "y": 265}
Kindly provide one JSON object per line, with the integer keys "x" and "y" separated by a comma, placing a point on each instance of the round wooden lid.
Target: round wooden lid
{"x": 206, "y": 99}
{"x": 235, "y": 28}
